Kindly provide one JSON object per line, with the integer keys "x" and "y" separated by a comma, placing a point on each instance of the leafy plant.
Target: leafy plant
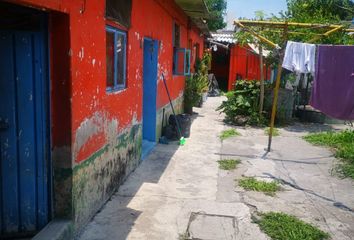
{"x": 197, "y": 84}
{"x": 228, "y": 164}
{"x": 228, "y": 133}
{"x": 252, "y": 184}
{"x": 191, "y": 95}
{"x": 243, "y": 103}
{"x": 343, "y": 144}
{"x": 280, "y": 226}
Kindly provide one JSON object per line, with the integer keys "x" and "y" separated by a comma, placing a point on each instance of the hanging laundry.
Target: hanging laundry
{"x": 300, "y": 57}
{"x": 333, "y": 87}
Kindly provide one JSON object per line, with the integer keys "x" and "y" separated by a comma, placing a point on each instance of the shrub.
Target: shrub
{"x": 241, "y": 106}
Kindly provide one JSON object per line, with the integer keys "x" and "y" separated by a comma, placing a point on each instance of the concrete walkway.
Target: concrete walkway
{"x": 310, "y": 188}
{"x": 180, "y": 189}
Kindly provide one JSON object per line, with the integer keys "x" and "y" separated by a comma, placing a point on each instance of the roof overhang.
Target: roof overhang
{"x": 194, "y": 8}
{"x": 197, "y": 11}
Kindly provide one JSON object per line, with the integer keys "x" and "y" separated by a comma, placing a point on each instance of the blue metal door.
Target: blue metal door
{"x": 24, "y": 160}
{"x": 149, "y": 95}
{"x": 150, "y": 88}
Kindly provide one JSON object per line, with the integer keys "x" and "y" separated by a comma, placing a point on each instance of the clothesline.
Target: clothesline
{"x": 310, "y": 67}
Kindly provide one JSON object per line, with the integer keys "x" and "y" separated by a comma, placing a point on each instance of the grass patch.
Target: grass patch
{"x": 228, "y": 133}
{"x": 280, "y": 226}
{"x": 228, "y": 164}
{"x": 343, "y": 144}
{"x": 183, "y": 236}
{"x": 275, "y": 131}
{"x": 252, "y": 184}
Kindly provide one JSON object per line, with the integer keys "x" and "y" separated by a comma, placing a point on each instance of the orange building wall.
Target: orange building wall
{"x": 245, "y": 64}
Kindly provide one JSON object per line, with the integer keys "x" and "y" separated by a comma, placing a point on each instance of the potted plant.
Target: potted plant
{"x": 191, "y": 95}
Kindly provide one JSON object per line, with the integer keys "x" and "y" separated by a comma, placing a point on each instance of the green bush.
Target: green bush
{"x": 243, "y": 103}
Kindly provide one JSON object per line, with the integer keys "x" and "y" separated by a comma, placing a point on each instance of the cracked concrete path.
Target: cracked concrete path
{"x": 180, "y": 189}
{"x": 177, "y": 187}
{"x": 310, "y": 189}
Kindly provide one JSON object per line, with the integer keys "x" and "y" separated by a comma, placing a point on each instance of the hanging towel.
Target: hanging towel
{"x": 300, "y": 57}
{"x": 333, "y": 89}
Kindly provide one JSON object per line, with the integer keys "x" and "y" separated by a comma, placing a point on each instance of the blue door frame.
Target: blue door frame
{"x": 149, "y": 93}
{"x": 25, "y": 194}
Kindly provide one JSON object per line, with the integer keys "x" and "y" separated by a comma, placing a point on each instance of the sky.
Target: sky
{"x": 246, "y": 8}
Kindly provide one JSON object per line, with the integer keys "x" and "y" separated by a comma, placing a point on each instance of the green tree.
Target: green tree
{"x": 324, "y": 11}
{"x": 310, "y": 11}
{"x": 217, "y": 9}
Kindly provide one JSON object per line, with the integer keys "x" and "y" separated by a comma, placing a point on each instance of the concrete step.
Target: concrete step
{"x": 58, "y": 229}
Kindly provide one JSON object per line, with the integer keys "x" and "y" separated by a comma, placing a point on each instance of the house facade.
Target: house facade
{"x": 84, "y": 93}
{"x": 235, "y": 61}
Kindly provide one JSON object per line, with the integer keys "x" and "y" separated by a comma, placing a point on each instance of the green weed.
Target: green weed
{"x": 275, "y": 132}
{"x": 343, "y": 144}
{"x": 228, "y": 133}
{"x": 228, "y": 164}
{"x": 280, "y": 226}
{"x": 183, "y": 236}
{"x": 252, "y": 184}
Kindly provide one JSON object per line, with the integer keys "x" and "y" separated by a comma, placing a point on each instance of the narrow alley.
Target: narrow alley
{"x": 173, "y": 184}
{"x": 176, "y": 120}
{"x": 179, "y": 192}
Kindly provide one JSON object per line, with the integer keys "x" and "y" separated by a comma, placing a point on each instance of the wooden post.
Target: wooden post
{"x": 275, "y": 102}
{"x": 276, "y": 91}
{"x": 261, "y": 98}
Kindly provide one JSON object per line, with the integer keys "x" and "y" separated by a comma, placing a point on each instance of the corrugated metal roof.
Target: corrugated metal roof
{"x": 225, "y": 37}
{"x": 228, "y": 37}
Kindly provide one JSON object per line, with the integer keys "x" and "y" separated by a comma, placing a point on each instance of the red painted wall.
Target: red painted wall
{"x": 89, "y": 100}
{"x": 195, "y": 38}
{"x": 245, "y": 63}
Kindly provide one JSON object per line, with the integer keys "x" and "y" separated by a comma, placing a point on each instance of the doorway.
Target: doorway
{"x": 24, "y": 133}
{"x": 149, "y": 95}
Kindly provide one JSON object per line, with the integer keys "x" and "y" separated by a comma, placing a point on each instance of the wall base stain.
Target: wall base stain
{"x": 97, "y": 178}
{"x": 62, "y": 182}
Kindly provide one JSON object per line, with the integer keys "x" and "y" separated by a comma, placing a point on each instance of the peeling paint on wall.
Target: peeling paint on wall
{"x": 90, "y": 128}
